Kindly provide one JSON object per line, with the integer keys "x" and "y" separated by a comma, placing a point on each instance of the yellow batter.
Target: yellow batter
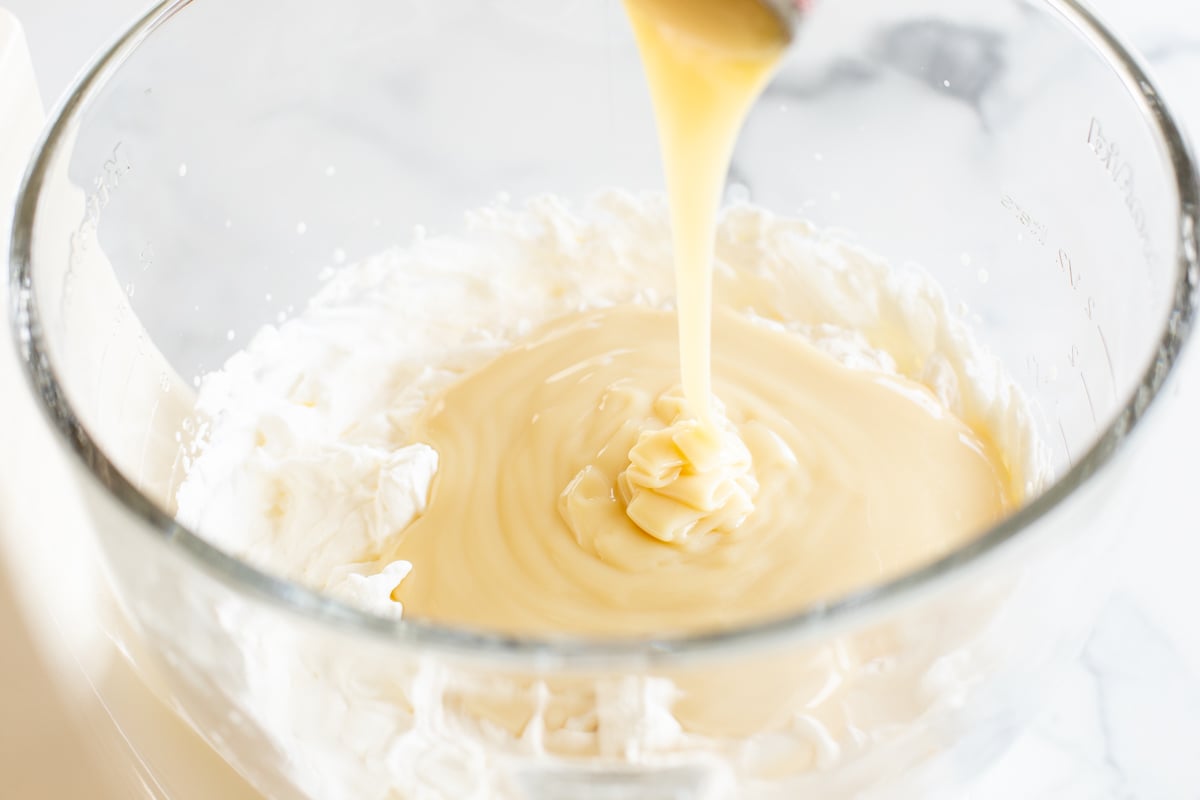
{"x": 861, "y": 476}
{"x": 589, "y": 483}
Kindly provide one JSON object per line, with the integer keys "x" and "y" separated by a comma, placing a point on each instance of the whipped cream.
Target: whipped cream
{"x": 304, "y": 464}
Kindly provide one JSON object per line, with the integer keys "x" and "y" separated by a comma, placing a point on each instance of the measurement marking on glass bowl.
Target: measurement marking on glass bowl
{"x": 1120, "y": 171}
{"x": 1065, "y": 265}
{"x": 1036, "y": 229}
{"x": 1112, "y": 373}
{"x": 113, "y": 168}
{"x": 1066, "y": 445}
{"x": 111, "y": 171}
{"x": 1074, "y": 276}
{"x": 1088, "y": 394}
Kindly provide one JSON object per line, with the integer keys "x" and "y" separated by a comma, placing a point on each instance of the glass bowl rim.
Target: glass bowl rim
{"x": 568, "y": 651}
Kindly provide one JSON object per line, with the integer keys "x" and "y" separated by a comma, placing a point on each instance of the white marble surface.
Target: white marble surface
{"x": 1126, "y": 724}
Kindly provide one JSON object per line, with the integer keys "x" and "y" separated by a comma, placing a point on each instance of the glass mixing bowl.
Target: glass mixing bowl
{"x": 201, "y": 176}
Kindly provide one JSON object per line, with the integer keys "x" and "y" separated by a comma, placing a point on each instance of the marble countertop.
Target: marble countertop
{"x": 1126, "y": 724}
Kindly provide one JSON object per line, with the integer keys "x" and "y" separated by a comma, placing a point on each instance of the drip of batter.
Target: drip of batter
{"x": 706, "y": 61}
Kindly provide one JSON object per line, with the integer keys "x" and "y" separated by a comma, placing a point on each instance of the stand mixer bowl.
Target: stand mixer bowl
{"x": 222, "y": 155}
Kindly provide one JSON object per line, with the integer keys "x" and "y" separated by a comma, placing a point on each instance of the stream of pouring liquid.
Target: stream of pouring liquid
{"x": 706, "y": 61}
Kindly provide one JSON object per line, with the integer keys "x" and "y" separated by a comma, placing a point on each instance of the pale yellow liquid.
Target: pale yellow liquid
{"x": 706, "y": 62}
{"x": 861, "y": 475}
{"x": 589, "y": 484}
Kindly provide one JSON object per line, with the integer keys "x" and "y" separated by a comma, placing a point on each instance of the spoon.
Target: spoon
{"x": 790, "y": 12}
